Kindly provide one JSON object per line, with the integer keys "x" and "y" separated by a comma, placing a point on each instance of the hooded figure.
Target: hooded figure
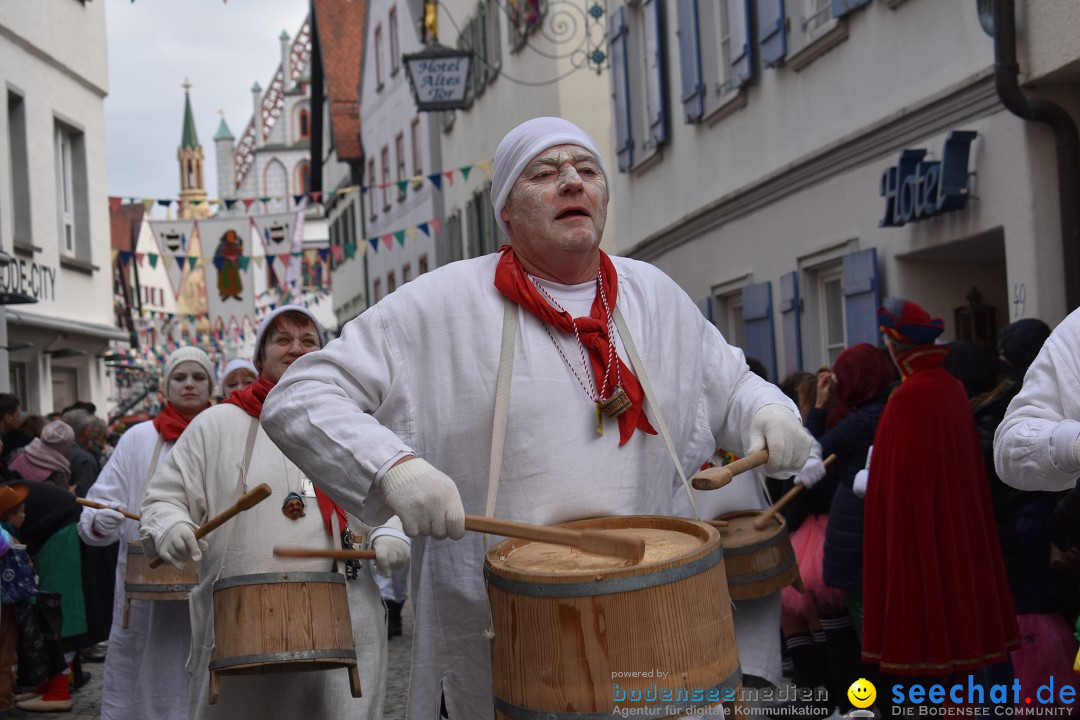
{"x": 935, "y": 597}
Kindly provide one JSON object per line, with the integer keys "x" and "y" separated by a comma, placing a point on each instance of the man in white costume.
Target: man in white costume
{"x": 205, "y": 474}
{"x": 1037, "y": 444}
{"x": 399, "y": 413}
{"x": 144, "y": 668}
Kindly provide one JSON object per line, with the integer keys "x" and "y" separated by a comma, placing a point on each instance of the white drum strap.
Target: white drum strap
{"x": 154, "y": 460}
{"x": 253, "y": 430}
{"x": 502, "y": 404}
{"x": 639, "y": 368}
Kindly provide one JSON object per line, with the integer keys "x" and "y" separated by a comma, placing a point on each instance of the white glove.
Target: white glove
{"x": 812, "y": 471}
{"x": 107, "y": 522}
{"x": 778, "y": 428}
{"x": 858, "y": 485}
{"x": 426, "y": 500}
{"x": 391, "y": 553}
{"x": 180, "y": 545}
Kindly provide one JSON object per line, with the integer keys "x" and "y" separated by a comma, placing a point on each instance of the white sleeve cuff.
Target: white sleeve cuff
{"x": 389, "y": 464}
{"x": 384, "y": 530}
{"x": 1062, "y": 442}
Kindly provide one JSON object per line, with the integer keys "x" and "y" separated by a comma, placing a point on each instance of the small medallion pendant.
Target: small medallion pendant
{"x": 617, "y": 403}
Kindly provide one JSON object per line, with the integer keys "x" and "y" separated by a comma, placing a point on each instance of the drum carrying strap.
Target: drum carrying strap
{"x": 249, "y": 446}
{"x": 639, "y": 368}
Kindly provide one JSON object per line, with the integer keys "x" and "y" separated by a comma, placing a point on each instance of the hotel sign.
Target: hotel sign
{"x": 917, "y": 189}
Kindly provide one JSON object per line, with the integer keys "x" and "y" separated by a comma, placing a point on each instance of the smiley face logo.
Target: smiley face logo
{"x": 862, "y": 693}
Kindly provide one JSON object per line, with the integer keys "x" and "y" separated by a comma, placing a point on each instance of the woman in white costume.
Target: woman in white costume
{"x": 144, "y": 668}
{"x": 204, "y": 475}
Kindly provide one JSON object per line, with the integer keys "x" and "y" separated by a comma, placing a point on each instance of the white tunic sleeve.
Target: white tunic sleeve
{"x": 321, "y": 412}
{"x": 111, "y": 488}
{"x": 1033, "y": 445}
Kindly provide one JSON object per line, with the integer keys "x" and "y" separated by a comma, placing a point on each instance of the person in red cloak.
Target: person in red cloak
{"x": 935, "y": 596}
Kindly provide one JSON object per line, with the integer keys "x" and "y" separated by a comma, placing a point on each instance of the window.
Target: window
{"x": 371, "y": 180}
{"x": 483, "y": 234}
{"x": 391, "y": 28}
{"x": 304, "y": 124}
{"x": 303, "y": 177}
{"x": 20, "y": 170}
{"x": 391, "y": 282}
{"x": 376, "y": 291}
{"x": 399, "y": 151}
{"x": 728, "y": 317}
{"x": 831, "y": 297}
{"x": 417, "y": 164}
{"x": 523, "y": 16}
{"x": 714, "y": 54}
{"x": 385, "y": 155}
{"x": 71, "y": 192}
{"x": 406, "y": 273}
{"x": 378, "y": 57}
{"x": 421, "y": 264}
{"x": 818, "y": 16}
{"x": 638, "y": 81}
{"x": 453, "y": 235}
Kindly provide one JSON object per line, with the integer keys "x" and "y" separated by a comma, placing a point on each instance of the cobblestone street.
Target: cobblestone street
{"x": 88, "y": 698}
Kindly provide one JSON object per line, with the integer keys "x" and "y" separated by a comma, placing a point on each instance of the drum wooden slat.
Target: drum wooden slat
{"x": 561, "y": 635}
{"x": 758, "y": 562}
{"x": 283, "y": 622}
{"x": 141, "y": 582}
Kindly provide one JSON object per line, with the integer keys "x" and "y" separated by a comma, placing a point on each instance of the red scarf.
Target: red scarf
{"x": 513, "y": 282}
{"x": 170, "y": 423}
{"x": 250, "y": 399}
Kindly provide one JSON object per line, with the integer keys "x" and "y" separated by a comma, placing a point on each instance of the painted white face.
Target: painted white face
{"x": 557, "y": 205}
{"x": 285, "y": 342}
{"x": 189, "y": 388}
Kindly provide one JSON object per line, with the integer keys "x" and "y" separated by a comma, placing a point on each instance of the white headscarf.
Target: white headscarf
{"x": 525, "y": 142}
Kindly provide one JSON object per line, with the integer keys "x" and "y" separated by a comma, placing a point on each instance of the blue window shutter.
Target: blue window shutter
{"x": 790, "y": 322}
{"x": 693, "y": 99}
{"x": 862, "y": 297}
{"x": 651, "y": 12}
{"x": 739, "y": 26}
{"x": 759, "y": 340}
{"x": 773, "y": 33}
{"x": 624, "y": 141}
{"x": 840, "y": 8}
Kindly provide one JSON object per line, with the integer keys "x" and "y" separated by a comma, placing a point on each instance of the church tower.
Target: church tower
{"x": 190, "y": 156}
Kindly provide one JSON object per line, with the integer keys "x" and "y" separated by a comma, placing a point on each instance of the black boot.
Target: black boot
{"x": 844, "y": 656}
{"x": 393, "y": 618}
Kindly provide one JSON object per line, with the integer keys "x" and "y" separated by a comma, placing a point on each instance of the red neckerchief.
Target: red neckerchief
{"x": 513, "y": 282}
{"x": 250, "y": 399}
{"x": 170, "y": 423}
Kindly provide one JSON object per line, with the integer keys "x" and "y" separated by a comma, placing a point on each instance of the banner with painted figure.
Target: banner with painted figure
{"x": 226, "y": 260}
{"x": 191, "y": 298}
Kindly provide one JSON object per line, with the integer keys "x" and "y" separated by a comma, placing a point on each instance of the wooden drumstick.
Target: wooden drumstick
{"x": 599, "y": 542}
{"x": 329, "y": 554}
{"x": 249, "y": 500}
{"x": 101, "y": 506}
{"x": 718, "y": 523}
{"x": 717, "y": 477}
{"x": 766, "y": 516}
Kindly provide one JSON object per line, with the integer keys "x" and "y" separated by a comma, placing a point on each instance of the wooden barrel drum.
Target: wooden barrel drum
{"x": 141, "y": 582}
{"x": 758, "y": 562}
{"x": 579, "y": 634}
{"x": 282, "y": 622}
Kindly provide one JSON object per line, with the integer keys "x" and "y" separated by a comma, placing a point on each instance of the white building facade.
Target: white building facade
{"x": 791, "y": 162}
{"x": 402, "y": 148}
{"x": 54, "y": 212}
{"x": 529, "y": 61}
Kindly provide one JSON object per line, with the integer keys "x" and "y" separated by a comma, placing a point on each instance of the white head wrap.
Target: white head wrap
{"x": 264, "y": 325}
{"x": 234, "y": 365}
{"x": 187, "y": 354}
{"x": 525, "y": 142}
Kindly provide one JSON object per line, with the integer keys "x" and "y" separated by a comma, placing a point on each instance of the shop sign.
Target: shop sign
{"x": 23, "y": 276}
{"x": 917, "y": 189}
